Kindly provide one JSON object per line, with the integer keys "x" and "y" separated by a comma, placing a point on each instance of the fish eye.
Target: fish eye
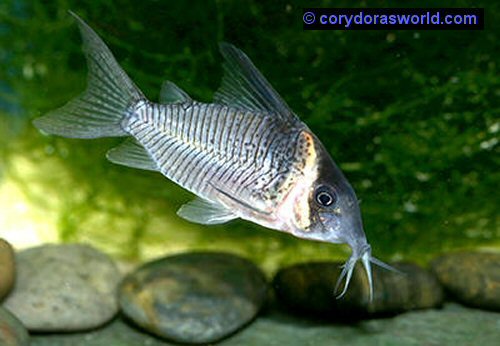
{"x": 324, "y": 196}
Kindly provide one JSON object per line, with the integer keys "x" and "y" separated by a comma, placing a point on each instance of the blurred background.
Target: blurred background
{"x": 411, "y": 117}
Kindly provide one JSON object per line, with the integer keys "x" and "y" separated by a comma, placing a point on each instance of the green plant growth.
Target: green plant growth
{"x": 412, "y": 117}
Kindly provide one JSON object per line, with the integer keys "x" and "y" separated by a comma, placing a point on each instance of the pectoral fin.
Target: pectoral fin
{"x": 239, "y": 203}
{"x": 205, "y": 212}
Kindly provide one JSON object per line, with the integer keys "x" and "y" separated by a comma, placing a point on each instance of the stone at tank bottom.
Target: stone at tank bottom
{"x": 473, "y": 278}
{"x": 67, "y": 287}
{"x": 7, "y": 268}
{"x": 12, "y": 332}
{"x": 197, "y": 297}
{"x": 309, "y": 288}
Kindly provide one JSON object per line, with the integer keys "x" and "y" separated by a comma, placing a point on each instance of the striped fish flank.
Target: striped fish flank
{"x": 200, "y": 146}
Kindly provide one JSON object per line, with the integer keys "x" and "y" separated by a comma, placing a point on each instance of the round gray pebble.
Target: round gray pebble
{"x": 194, "y": 297}
{"x": 64, "y": 288}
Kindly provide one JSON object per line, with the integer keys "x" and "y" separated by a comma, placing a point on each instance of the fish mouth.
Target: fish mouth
{"x": 364, "y": 253}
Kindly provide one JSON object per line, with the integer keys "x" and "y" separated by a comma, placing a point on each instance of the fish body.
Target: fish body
{"x": 220, "y": 153}
{"x": 246, "y": 155}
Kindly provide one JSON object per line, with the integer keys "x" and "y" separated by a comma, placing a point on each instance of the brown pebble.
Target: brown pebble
{"x": 309, "y": 287}
{"x": 472, "y": 278}
{"x": 7, "y": 268}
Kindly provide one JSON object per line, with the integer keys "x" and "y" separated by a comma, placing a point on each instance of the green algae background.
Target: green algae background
{"x": 412, "y": 118}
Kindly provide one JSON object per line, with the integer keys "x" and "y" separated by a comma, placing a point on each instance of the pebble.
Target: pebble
{"x": 194, "y": 298}
{"x": 12, "y": 332}
{"x": 473, "y": 278}
{"x": 309, "y": 288}
{"x": 415, "y": 288}
{"x": 66, "y": 287}
{"x": 7, "y": 268}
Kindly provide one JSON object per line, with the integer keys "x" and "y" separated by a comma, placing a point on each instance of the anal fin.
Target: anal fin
{"x": 205, "y": 212}
{"x": 130, "y": 153}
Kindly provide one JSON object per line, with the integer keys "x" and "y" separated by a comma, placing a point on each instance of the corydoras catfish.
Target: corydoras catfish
{"x": 246, "y": 155}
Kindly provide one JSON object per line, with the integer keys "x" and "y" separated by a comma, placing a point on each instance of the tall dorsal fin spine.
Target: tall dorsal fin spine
{"x": 243, "y": 86}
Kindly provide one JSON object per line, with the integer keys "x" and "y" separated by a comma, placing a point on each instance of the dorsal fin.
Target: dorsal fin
{"x": 171, "y": 93}
{"x": 130, "y": 153}
{"x": 243, "y": 86}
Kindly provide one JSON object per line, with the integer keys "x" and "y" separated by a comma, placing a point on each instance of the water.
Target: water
{"x": 412, "y": 117}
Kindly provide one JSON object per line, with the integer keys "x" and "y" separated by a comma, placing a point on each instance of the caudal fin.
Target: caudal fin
{"x": 99, "y": 110}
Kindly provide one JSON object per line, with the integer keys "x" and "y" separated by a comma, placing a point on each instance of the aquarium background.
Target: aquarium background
{"x": 411, "y": 117}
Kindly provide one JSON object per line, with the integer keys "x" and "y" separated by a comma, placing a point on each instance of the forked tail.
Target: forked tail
{"x": 99, "y": 110}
